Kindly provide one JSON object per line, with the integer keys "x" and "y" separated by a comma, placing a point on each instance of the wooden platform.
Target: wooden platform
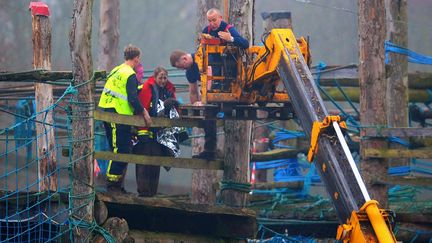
{"x": 166, "y": 215}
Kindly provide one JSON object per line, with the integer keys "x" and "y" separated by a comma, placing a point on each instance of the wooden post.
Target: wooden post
{"x": 238, "y": 133}
{"x": 47, "y": 158}
{"x": 226, "y": 10}
{"x": 397, "y": 71}
{"x": 82, "y": 118}
{"x": 109, "y": 34}
{"x": 372, "y": 91}
{"x": 203, "y": 181}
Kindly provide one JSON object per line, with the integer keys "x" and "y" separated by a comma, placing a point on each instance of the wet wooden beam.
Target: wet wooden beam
{"x": 42, "y": 76}
{"x": 277, "y": 154}
{"x": 405, "y": 180}
{"x": 415, "y": 95}
{"x": 396, "y": 132}
{"x": 186, "y": 163}
{"x": 348, "y": 76}
{"x": 295, "y": 185}
{"x": 398, "y": 153}
{"x": 408, "y": 232}
{"x": 164, "y": 215}
{"x": 147, "y": 236}
{"x": 157, "y": 121}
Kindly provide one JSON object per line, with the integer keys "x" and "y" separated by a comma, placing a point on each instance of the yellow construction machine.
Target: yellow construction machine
{"x": 278, "y": 72}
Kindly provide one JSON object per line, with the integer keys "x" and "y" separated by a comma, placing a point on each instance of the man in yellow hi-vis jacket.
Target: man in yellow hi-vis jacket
{"x": 120, "y": 95}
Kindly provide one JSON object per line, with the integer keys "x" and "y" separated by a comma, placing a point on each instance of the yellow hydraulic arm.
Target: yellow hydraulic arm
{"x": 284, "y": 60}
{"x": 369, "y": 214}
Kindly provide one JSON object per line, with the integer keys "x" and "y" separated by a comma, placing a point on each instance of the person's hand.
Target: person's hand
{"x": 170, "y": 102}
{"x": 198, "y": 103}
{"x": 147, "y": 118}
{"x": 206, "y": 36}
{"x": 225, "y": 35}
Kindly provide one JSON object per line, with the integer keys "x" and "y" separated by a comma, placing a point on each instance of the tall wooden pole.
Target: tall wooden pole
{"x": 372, "y": 80}
{"x": 238, "y": 133}
{"x": 109, "y": 34}
{"x": 47, "y": 158}
{"x": 82, "y": 118}
{"x": 397, "y": 70}
{"x": 109, "y": 38}
{"x": 203, "y": 181}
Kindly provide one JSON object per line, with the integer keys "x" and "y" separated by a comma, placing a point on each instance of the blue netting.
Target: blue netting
{"x": 28, "y": 213}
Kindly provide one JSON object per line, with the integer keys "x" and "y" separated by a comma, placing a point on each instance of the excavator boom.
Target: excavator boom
{"x": 334, "y": 161}
{"x": 283, "y": 60}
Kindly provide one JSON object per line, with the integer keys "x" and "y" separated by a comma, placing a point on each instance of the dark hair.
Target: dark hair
{"x": 130, "y": 52}
{"x": 159, "y": 70}
{"x": 176, "y": 56}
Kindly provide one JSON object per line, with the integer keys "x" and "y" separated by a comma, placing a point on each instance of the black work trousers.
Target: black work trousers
{"x": 119, "y": 140}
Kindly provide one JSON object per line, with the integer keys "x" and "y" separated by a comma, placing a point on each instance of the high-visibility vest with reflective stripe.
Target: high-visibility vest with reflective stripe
{"x": 114, "y": 94}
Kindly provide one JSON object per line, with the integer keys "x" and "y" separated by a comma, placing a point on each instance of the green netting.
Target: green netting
{"x": 29, "y": 214}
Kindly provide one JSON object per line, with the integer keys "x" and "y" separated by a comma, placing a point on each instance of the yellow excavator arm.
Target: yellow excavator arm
{"x": 278, "y": 72}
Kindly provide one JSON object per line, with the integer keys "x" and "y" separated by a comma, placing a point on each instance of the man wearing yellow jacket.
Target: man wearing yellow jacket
{"x": 120, "y": 95}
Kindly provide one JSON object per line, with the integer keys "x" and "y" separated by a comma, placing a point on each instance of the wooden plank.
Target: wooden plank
{"x": 415, "y": 95}
{"x": 185, "y": 163}
{"x": 157, "y": 121}
{"x": 396, "y": 132}
{"x": 147, "y": 236}
{"x": 294, "y": 185}
{"x": 405, "y": 180}
{"x": 164, "y": 215}
{"x": 277, "y": 154}
{"x": 43, "y": 75}
{"x": 347, "y": 76}
{"x": 397, "y": 153}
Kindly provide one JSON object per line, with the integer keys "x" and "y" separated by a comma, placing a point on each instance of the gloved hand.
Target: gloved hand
{"x": 170, "y": 102}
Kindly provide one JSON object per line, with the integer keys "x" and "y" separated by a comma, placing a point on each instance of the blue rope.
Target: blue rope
{"x": 413, "y": 57}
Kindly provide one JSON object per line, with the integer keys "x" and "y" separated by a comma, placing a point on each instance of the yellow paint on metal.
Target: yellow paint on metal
{"x": 261, "y": 72}
{"x": 382, "y": 230}
{"x": 358, "y": 229}
{"x": 317, "y": 129}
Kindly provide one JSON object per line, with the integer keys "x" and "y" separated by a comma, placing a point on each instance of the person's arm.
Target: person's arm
{"x": 237, "y": 39}
{"x": 193, "y": 76}
{"x": 132, "y": 91}
{"x": 193, "y": 92}
{"x": 132, "y": 94}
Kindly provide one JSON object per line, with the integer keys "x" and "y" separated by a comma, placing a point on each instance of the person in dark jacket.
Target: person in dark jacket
{"x": 218, "y": 28}
{"x": 157, "y": 90}
{"x": 186, "y": 61}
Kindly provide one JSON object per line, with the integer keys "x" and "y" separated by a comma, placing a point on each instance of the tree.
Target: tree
{"x": 82, "y": 117}
{"x": 109, "y": 34}
{"x": 397, "y": 70}
{"x": 203, "y": 191}
{"x": 238, "y": 133}
{"x": 372, "y": 91}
